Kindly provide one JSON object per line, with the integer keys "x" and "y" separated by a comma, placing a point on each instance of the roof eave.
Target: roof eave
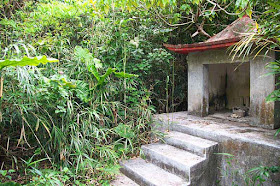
{"x": 198, "y": 47}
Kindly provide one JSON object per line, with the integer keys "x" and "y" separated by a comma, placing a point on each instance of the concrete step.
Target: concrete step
{"x": 199, "y": 146}
{"x": 122, "y": 180}
{"x": 217, "y": 136}
{"x": 175, "y": 160}
{"x": 145, "y": 173}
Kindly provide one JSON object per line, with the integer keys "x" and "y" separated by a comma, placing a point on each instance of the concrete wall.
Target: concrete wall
{"x": 277, "y": 103}
{"x": 247, "y": 155}
{"x": 251, "y": 146}
{"x": 229, "y": 86}
{"x": 217, "y": 87}
{"x": 260, "y": 85}
{"x": 238, "y": 85}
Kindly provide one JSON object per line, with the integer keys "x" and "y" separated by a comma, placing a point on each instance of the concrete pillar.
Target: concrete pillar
{"x": 261, "y": 111}
{"x": 195, "y": 88}
{"x": 205, "y": 89}
{"x": 277, "y": 103}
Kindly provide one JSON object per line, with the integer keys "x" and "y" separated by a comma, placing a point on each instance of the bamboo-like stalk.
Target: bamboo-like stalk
{"x": 1, "y": 86}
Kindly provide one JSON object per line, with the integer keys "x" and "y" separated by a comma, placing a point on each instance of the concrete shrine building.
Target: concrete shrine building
{"x": 217, "y": 82}
{"x": 228, "y": 128}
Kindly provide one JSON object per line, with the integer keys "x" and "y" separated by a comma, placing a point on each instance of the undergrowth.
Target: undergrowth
{"x": 72, "y": 121}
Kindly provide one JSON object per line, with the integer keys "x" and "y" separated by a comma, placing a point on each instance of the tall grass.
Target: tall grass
{"x": 65, "y": 116}
{"x": 71, "y": 122}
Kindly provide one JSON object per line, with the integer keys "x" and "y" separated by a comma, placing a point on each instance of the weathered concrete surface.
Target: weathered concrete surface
{"x": 277, "y": 103}
{"x": 145, "y": 173}
{"x": 190, "y": 158}
{"x": 251, "y": 146}
{"x": 229, "y": 86}
{"x": 177, "y": 161}
{"x": 202, "y": 173}
{"x": 261, "y": 86}
{"x": 122, "y": 180}
{"x": 199, "y": 146}
{"x": 199, "y": 85}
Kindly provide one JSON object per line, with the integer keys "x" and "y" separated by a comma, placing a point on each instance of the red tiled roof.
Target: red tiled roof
{"x": 227, "y": 37}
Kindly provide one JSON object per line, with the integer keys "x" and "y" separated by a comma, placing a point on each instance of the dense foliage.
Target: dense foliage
{"x": 71, "y": 121}
{"x": 93, "y": 107}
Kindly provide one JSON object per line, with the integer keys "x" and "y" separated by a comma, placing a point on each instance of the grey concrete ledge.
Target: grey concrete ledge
{"x": 217, "y": 129}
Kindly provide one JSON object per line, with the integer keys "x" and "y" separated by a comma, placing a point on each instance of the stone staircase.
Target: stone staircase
{"x": 183, "y": 159}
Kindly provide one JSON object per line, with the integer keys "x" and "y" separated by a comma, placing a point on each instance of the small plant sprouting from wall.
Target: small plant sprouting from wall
{"x": 254, "y": 177}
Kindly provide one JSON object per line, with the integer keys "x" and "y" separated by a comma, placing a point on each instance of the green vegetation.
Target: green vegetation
{"x": 255, "y": 176}
{"x": 72, "y": 120}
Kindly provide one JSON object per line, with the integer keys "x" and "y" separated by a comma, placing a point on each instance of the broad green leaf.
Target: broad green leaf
{"x": 237, "y": 3}
{"x": 83, "y": 54}
{"x": 196, "y": 2}
{"x": 124, "y": 75}
{"x": 26, "y": 61}
{"x": 97, "y": 63}
{"x": 92, "y": 69}
{"x": 185, "y": 7}
{"x": 103, "y": 77}
{"x": 277, "y": 132}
